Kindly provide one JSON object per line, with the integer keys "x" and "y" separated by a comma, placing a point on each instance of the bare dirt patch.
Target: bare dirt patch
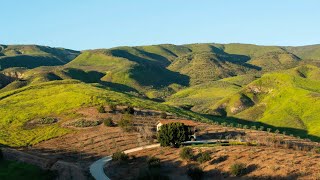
{"x": 261, "y": 163}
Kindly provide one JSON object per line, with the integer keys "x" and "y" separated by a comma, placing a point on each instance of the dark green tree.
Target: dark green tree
{"x": 173, "y": 134}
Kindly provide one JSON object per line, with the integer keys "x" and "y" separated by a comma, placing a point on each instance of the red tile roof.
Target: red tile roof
{"x": 185, "y": 122}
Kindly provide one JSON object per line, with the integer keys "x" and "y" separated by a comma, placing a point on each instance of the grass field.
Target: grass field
{"x": 59, "y": 98}
{"x": 283, "y": 99}
{"x": 205, "y": 76}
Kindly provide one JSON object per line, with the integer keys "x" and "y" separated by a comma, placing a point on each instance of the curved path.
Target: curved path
{"x": 96, "y": 168}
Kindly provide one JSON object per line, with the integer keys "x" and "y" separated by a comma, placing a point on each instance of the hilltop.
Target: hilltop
{"x": 209, "y": 79}
{"x": 31, "y": 56}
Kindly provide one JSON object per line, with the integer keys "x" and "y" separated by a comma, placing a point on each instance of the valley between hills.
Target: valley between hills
{"x": 61, "y": 110}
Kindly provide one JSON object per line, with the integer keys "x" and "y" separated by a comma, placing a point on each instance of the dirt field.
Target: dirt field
{"x": 261, "y": 162}
{"x": 85, "y": 145}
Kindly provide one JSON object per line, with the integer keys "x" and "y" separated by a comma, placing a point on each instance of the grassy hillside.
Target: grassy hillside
{"x": 306, "y": 52}
{"x": 158, "y": 66}
{"x": 239, "y": 80}
{"x": 202, "y": 96}
{"x": 31, "y": 56}
{"x": 59, "y": 99}
{"x": 284, "y": 99}
{"x": 205, "y": 66}
{"x": 134, "y": 67}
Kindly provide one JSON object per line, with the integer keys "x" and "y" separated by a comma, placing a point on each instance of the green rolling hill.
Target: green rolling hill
{"x": 31, "y": 56}
{"x": 283, "y": 99}
{"x": 275, "y": 85}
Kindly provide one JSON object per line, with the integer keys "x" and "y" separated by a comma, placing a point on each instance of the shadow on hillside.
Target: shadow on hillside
{"x": 137, "y": 168}
{"x": 152, "y": 71}
{"x": 95, "y": 77}
{"x": 235, "y": 58}
{"x": 29, "y": 61}
{"x": 296, "y": 132}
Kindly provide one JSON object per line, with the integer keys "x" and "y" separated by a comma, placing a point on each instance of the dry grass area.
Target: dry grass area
{"x": 84, "y": 145}
{"x": 261, "y": 162}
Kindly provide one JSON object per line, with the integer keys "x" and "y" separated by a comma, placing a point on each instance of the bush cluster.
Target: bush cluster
{"x": 112, "y": 107}
{"x": 47, "y": 120}
{"x": 128, "y": 110}
{"x": 120, "y": 156}
{"x": 204, "y": 157}
{"x": 101, "y": 109}
{"x": 108, "y": 122}
{"x": 85, "y": 123}
{"x": 186, "y": 153}
{"x": 126, "y": 122}
{"x": 238, "y": 169}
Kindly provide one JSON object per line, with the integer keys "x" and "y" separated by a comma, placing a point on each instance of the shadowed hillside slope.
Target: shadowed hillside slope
{"x": 31, "y": 56}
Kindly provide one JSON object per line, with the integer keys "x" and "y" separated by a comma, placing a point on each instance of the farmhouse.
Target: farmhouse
{"x": 190, "y": 124}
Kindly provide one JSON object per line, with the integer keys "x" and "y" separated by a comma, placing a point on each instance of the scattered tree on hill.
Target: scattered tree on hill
{"x": 126, "y": 122}
{"x": 112, "y": 107}
{"x": 238, "y": 169}
{"x": 108, "y": 122}
{"x": 173, "y": 134}
{"x": 120, "y": 156}
{"x": 186, "y": 153}
{"x": 204, "y": 157}
{"x": 128, "y": 110}
{"x": 101, "y": 109}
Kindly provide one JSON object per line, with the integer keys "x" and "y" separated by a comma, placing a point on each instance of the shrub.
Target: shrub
{"x": 101, "y": 109}
{"x": 153, "y": 162}
{"x": 126, "y": 122}
{"x": 120, "y": 156}
{"x": 195, "y": 173}
{"x": 186, "y": 153}
{"x": 173, "y": 134}
{"x": 268, "y": 130}
{"x": 47, "y": 120}
{"x": 204, "y": 157}
{"x": 163, "y": 115}
{"x": 128, "y": 110}
{"x": 112, "y": 107}
{"x": 108, "y": 122}
{"x": 238, "y": 169}
{"x": 85, "y": 123}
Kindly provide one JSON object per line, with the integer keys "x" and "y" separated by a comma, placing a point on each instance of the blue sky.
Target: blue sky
{"x": 89, "y": 24}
